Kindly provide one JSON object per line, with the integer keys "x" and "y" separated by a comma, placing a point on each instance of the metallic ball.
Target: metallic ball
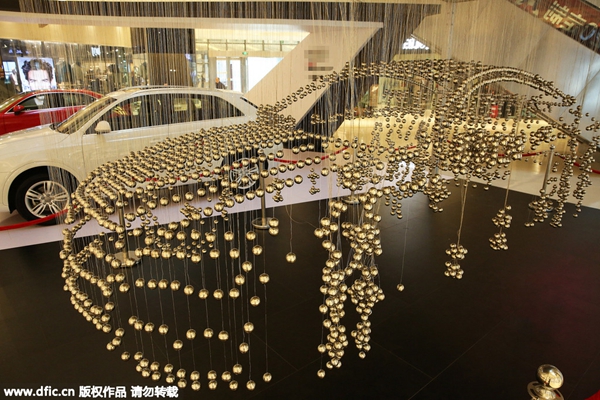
{"x": 163, "y": 284}
{"x": 248, "y": 327}
{"x": 188, "y": 290}
{"x": 247, "y": 266}
{"x": 257, "y": 250}
{"x": 234, "y": 253}
{"x": 264, "y": 278}
{"x": 229, "y": 236}
{"x": 250, "y": 385}
{"x": 244, "y": 347}
{"x": 223, "y": 335}
{"x": 550, "y": 376}
{"x": 290, "y": 257}
{"x": 237, "y": 369}
{"x": 254, "y": 301}
{"x": 177, "y": 345}
{"x": 163, "y": 329}
{"x": 267, "y": 377}
{"x": 190, "y": 334}
{"x": 208, "y": 333}
{"x": 240, "y": 279}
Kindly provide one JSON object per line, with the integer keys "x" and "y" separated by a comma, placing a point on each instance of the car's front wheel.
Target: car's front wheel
{"x": 39, "y": 196}
{"x": 244, "y": 173}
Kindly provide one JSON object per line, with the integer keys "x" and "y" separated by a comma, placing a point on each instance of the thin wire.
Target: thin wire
{"x": 407, "y": 215}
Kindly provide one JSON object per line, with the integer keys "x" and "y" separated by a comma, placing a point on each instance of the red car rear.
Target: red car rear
{"x": 41, "y": 107}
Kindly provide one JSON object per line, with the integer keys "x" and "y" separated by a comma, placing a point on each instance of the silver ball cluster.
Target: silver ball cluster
{"x": 457, "y": 253}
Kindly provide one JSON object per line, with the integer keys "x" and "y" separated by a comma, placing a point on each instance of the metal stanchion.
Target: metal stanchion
{"x": 263, "y": 221}
{"x": 127, "y": 257}
{"x": 545, "y": 183}
{"x": 550, "y": 379}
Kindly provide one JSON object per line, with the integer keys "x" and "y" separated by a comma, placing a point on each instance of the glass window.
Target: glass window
{"x": 212, "y": 107}
{"x": 137, "y": 112}
{"x": 77, "y": 120}
{"x": 33, "y": 103}
{"x": 193, "y": 108}
{"x": 76, "y": 99}
{"x": 42, "y": 101}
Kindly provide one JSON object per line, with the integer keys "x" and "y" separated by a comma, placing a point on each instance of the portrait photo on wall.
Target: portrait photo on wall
{"x": 36, "y": 73}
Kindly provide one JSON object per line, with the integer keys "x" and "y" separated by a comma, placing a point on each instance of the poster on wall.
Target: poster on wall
{"x": 574, "y": 18}
{"x": 36, "y": 73}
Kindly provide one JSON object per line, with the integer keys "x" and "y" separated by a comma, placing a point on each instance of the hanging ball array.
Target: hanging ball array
{"x": 203, "y": 267}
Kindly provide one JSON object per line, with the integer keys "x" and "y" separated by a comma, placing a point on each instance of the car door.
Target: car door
{"x": 135, "y": 123}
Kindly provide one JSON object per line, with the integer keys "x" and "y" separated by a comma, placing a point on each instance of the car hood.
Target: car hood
{"x": 35, "y": 133}
{"x": 28, "y": 143}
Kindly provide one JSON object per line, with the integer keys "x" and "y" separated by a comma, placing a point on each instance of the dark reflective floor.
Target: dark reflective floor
{"x": 479, "y": 338}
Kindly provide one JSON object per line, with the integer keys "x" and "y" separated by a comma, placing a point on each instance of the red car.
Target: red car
{"x": 41, "y": 107}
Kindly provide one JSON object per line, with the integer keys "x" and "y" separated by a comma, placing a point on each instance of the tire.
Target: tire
{"x": 39, "y": 196}
{"x": 242, "y": 175}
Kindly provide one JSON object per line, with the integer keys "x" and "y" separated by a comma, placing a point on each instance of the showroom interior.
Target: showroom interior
{"x": 421, "y": 221}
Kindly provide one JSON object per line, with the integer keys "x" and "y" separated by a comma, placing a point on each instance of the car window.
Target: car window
{"x": 136, "y": 112}
{"x": 80, "y": 118}
{"x": 213, "y": 107}
{"x": 34, "y": 103}
{"x": 200, "y": 107}
{"x": 75, "y": 99}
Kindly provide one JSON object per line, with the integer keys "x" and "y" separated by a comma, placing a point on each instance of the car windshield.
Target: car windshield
{"x": 9, "y": 101}
{"x": 81, "y": 117}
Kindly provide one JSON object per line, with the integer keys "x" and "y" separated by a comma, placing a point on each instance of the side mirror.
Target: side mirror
{"x": 18, "y": 109}
{"x": 102, "y": 127}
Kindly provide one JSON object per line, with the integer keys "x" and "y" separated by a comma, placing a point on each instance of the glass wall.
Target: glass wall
{"x": 239, "y": 64}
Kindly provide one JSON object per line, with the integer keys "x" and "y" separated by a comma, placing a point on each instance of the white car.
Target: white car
{"x": 108, "y": 129}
